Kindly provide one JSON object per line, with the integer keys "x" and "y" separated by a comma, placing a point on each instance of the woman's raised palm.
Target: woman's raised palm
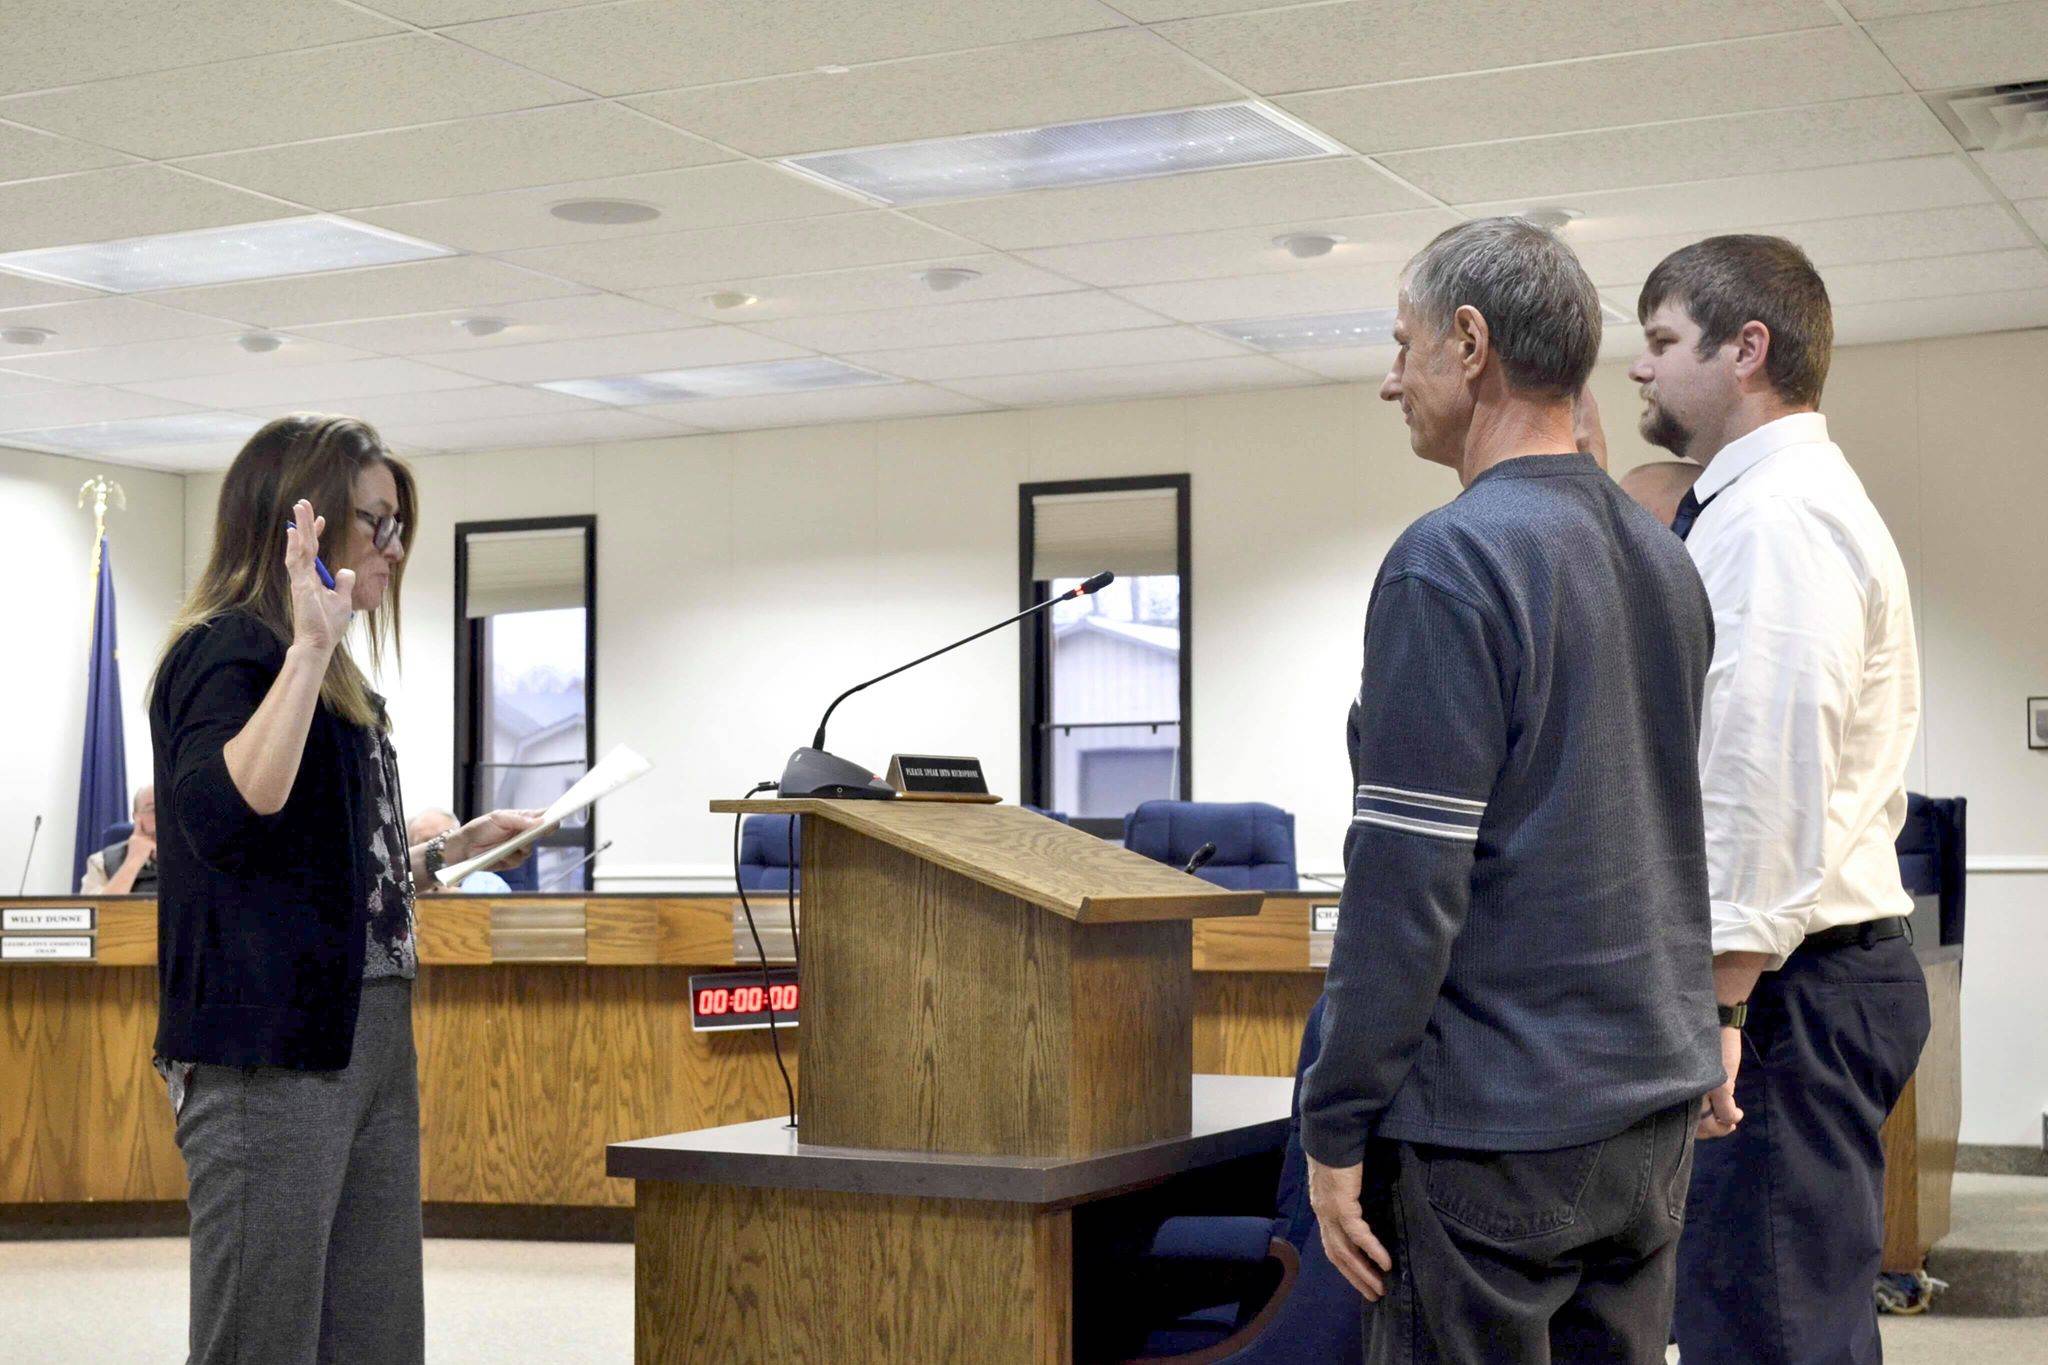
{"x": 320, "y": 614}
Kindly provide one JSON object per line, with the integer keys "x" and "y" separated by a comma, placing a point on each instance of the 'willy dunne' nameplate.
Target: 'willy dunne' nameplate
{"x": 47, "y": 919}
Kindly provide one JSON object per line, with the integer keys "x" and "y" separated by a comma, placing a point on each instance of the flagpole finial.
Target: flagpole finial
{"x": 102, "y": 491}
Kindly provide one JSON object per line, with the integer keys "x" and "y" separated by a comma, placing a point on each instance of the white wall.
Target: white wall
{"x": 744, "y": 579}
{"x": 46, "y": 576}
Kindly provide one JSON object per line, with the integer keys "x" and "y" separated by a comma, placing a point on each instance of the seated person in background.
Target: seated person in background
{"x": 129, "y": 867}
{"x": 425, "y": 826}
{"x": 1659, "y": 485}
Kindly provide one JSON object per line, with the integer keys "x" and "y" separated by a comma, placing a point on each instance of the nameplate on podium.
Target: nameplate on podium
{"x": 47, "y": 919}
{"x": 46, "y": 948}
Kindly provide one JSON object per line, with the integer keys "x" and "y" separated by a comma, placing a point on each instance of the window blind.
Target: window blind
{"x": 524, "y": 571}
{"x": 1130, "y": 533}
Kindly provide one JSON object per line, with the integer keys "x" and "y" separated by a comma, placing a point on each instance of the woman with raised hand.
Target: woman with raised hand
{"x": 285, "y": 951}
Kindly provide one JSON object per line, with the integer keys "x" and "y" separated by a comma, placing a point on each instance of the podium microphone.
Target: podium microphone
{"x": 813, "y": 772}
{"x": 563, "y": 875}
{"x": 38, "y": 829}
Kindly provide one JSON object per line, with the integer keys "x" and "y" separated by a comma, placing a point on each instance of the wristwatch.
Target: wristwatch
{"x": 1734, "y": 1016}
{"x": 434, "y": 852}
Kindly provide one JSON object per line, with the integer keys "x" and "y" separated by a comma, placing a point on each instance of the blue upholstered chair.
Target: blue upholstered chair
{"x": 1295, "y": 1308}
{"x": 1254, "y": 841}
{"x": 770, "y": 849}
{"x": 1058, "y": 815}
{"x": 118, "y": 832}
{"x": 1931, "y": 846}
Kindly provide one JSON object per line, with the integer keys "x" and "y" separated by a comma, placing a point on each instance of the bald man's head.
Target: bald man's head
{"x": 1659, "y": 485}
{"x": 427, "y": 824}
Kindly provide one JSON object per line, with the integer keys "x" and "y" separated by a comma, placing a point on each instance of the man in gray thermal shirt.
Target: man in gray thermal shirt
{"x": 1520, "y": 1019}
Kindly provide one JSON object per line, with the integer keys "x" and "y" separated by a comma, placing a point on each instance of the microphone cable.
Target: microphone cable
{"x": 761, "y": 953}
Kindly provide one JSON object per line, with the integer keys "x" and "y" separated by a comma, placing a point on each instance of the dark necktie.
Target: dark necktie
{"x": 1689, "y": 509}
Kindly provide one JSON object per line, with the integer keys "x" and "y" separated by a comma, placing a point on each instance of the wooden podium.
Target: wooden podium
{"x": 996, "y": 1006}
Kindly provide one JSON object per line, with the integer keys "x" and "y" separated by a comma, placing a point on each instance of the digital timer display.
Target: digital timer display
{"x": 737, "y": 1000}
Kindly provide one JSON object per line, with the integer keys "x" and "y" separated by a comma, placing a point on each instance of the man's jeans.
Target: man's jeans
{"x": 1502, "y": 1257}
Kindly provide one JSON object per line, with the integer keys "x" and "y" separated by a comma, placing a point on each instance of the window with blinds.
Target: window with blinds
{"x": 526, "y": 647}
{"x": 1106, "y": 678}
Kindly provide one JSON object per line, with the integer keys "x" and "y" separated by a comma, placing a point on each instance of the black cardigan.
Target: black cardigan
{"x": 260, "y": 920}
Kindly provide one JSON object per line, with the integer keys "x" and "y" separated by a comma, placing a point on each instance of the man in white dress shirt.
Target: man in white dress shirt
{"x": 1811, "y": 706}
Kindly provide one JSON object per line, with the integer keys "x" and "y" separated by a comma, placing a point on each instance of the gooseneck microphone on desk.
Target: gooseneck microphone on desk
{"x": 813, "y": 772}
{"x": 22, "y": 890}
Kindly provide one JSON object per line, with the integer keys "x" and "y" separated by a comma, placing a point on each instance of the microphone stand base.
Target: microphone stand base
{"x": 813, "y": 772}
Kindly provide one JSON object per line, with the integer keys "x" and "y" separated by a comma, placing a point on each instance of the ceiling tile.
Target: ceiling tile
{"x": 311, "y": 384}
{"x": 1983, "y": 46}
{"x": 709, "y": 196}
{"x": 619, "y": 355}
{"x": 1336, "y": 290}
{"x": 19, "y": 291}
{"x": 1210, "y": 199}
{"x": 1355, "y": 364}
{"x": 145, "y": 360}
{"x": 128, "y": 201}
{"x": 1898, "y": 320}
{"x": 546, "y": 429}
{"x": 77, "y": 405}
{"x": 1829, "y": 241}
{"x": 1690, "y": 82}
{"x": 1364, "y": 41}
{"x": 26, "y": 154}
{"x": 109, "y": 321}
{"x": 667, "y": 44}
{"x": 484, "y": 403}
{"x": 68, "y": 42}
{"x": 1136, "y": 381}
{"x": 1785, "y": 139}
{"x": 1021, "y": 85}
{"x": 1743, "y": 201}
{"x": 586, "y": 315}
{"x": 284, "y": 97}
{"x": 2021, "y": 174}
{"x": 871, "y": 403}
{"x": 1036, "y": 315}
{"x": 2036, "y": 213}
{"x": 386, "y": 291}
{"x": 724, "y": 253}
{"x": 1984, "y": 273}
{"x": 1156, "y": 11}
{"x": 24, "y": 383}
{"x": 1153, "y": 345}
{"x": 441, "y": 13}
{"x": 1891, "y": 9}
{"x": 467, "y": 157}
{"x": 1243, "y": 251}
{"x": 864, "y": 289}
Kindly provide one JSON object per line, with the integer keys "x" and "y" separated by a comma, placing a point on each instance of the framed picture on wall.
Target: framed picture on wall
{"x": 2037, "y": 722}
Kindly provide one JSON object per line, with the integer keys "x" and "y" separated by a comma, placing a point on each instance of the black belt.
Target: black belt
{"x": 1866, "y": 935}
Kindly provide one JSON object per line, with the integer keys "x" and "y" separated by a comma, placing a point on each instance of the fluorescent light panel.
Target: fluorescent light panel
{"x": 141, "y": 433}
{"x": 1370, "y": 327}
{"x": 720, "y": 381}
{"x": 248, "y": 251}
{"x": 1133, "y": 147}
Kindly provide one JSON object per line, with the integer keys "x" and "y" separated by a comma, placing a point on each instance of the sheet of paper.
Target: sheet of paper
{"x": 612, "y": 772}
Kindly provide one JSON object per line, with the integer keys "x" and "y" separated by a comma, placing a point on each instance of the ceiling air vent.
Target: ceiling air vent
{"x": 1995, "y": 118}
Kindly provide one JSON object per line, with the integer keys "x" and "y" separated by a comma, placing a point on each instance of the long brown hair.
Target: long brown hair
{"x": 316, "y": 457}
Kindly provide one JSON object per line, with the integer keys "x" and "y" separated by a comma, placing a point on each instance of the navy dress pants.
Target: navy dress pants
{"x": 1784, "y": 1227}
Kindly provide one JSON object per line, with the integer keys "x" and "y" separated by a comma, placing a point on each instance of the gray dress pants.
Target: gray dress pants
{"x": 305, "y": 1201}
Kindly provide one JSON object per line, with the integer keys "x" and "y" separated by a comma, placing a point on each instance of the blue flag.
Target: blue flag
{"x": 103, "y": 773}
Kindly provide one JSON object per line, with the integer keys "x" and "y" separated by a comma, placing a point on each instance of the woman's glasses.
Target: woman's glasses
{"x": 383, "y": 530}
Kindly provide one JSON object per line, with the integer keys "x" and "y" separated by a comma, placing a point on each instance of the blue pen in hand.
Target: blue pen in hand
{"x": 319, "y": 566}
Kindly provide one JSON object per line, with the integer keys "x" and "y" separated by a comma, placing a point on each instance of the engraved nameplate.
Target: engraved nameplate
{"x": 46, "y": 948}
{"x": 1322, "y": 934}
{"x": 47, "y": 918}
